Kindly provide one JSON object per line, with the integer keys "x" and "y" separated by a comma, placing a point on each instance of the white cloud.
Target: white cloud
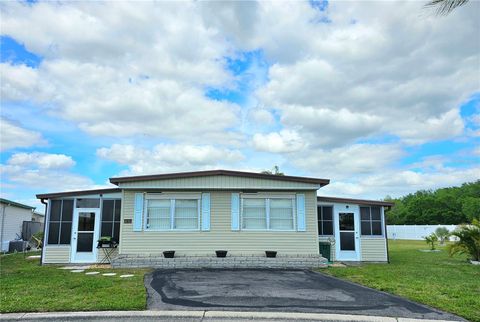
{"x": 348, "y": 162}
{"x": 261, "y": 116}
{"x": 42, "y": 171}
{"x": 41, "y": 160}
{"x": 397, "y": 183}
{"x": 168, "y": 157}
{"x": 19, "y": 82}
{"x": 117, "y": 70}
{"x": 278, "y": 142}
{"x": 14, "y": 136}
{"x": 139, "y": 72}
{"x": 389, "y": 72}
{"x": 329, "y": 128}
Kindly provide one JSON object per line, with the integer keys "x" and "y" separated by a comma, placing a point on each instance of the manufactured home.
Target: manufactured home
{"x": 195, "y": 214}
{"x": 12, "y": 216}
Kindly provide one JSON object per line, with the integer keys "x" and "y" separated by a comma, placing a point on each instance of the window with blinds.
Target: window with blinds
{"x": 268, "y": 213}
{"x": 172, "y": 214}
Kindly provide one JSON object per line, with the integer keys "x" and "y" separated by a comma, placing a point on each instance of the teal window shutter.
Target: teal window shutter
{"x": 138, "y": 212}
{"x": 301, "y": 212}
{"x": 206, "y": 211}
{"x": 235, "y": 211}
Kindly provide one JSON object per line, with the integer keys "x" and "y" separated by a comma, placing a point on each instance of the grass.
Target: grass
{"x": 28, "y": 287}
{"x": 435, "y": 279}
{"x": 447, "y": 283}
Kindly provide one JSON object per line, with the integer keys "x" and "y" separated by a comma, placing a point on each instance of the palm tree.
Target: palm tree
{"x": 444, "y": 7}
{"x": 468, "y": 240}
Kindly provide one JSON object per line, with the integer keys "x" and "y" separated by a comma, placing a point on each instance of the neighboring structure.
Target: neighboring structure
{"x": 12, "y": 216}
{"x": 197, "y": 213}
{"x": 38, "y": 217}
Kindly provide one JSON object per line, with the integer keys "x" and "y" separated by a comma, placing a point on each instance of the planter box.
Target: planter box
{"x": 106, "y": 244}
{"x": 169, "y": 254}
{"x": 271, "y": 253}
{"x": 221, "y": 253}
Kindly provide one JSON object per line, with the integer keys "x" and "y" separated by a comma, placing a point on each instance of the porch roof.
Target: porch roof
{"x": 77, "y": 193}
{"x": 356, "y": 201}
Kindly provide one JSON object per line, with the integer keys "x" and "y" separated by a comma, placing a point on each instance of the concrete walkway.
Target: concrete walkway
{"x": 200, "y": 316}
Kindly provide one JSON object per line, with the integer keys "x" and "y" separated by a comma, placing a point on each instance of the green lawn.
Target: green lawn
{"x": 27, "y": 287}
{"x": 435, "y": 279}
{"x": 450, "y": 284}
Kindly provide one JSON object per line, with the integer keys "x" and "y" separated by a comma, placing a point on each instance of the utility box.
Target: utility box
{"x": 325, "y": 251}
{"x": 17, "y": 246}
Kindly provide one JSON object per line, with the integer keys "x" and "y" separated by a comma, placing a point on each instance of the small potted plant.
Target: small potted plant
{"x": 271, "y": 253}
{"x": 221, "y": 253}
{"x": 105, "y": 242}
{"x": 169, "y": 254}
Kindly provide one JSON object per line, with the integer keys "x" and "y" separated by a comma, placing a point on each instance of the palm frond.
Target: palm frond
{"x": 444, "y": 7}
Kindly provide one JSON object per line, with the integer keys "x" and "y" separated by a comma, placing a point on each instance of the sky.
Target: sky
{"x": 382, "y": 98}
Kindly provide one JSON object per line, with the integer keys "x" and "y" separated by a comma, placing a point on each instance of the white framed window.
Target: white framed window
{"x": 268, "y": 213}
{"x": 172, "y": 213}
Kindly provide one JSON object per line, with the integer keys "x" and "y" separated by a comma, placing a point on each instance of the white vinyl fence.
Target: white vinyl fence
{"x": 414, "y": 232}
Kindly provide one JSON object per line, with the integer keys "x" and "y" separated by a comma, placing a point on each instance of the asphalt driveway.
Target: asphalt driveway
{"x": 275, "y": 290}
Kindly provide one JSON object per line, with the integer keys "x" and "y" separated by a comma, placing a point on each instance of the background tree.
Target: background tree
{"x": 445, "y": 206}
{"x": 274, "y": 171}
{"x": 444, "y": 7}
{"x": 442, "y": 234}
{"x": 471, "y": 208}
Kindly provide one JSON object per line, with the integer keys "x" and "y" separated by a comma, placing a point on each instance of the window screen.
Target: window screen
{"x": 60, "y": 222}
{"x": 88, "y": 203}
{"x": 325, "y": 220}
{"x": 371, "y": 221}
{"x": 111, "y": 219}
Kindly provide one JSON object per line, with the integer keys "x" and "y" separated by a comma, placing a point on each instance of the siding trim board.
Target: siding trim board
{"x": 317, "y": 181}
{"x": 355, "y": 201}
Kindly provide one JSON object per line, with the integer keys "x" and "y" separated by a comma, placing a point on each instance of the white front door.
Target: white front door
{"x": 347, "y": 233}
{"x": 86, "y": 224}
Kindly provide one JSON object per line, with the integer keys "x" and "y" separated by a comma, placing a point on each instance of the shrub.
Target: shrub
{"x": 431, "y": 240}
{"x": 442, "y": 234}
{"x": 468, "y": 240}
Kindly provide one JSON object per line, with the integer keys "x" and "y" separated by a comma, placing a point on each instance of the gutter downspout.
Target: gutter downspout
{"x": 45, "y": 222}
{"x": 386, "y": 235}
{"x": 3, "y": 225}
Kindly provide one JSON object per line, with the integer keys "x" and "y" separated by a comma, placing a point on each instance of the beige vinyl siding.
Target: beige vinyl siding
{"x": 220, "y": 236}
{"x": 373, "y": 249}
{"x": 332, "y": 246}
{"x": 219, "y": 183}
{"x": 56, "y": 254}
